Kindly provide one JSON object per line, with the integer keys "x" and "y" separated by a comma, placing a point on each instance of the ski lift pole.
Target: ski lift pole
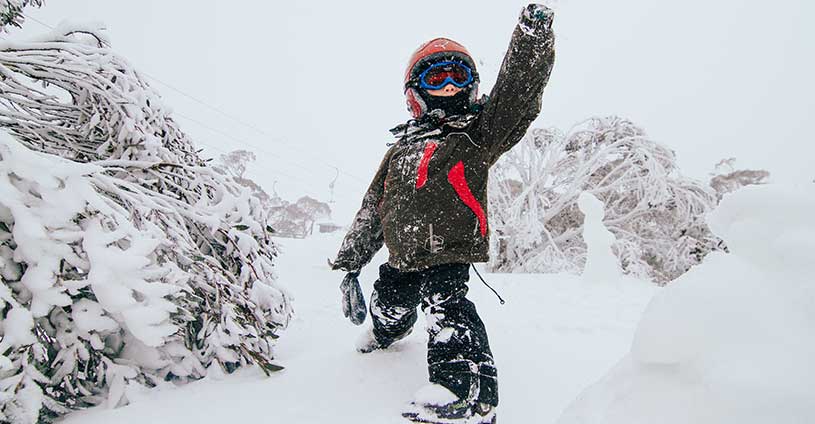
{"x": 333, "y": 182}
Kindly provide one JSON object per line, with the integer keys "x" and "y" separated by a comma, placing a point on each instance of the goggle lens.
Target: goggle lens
{"x": 441, "y": 74}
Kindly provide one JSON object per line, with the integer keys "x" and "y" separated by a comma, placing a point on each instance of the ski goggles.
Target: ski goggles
{"x": 440, "y": 74}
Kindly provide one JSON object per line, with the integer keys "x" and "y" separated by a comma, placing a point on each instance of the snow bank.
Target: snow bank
{"x": 730, "y": 341}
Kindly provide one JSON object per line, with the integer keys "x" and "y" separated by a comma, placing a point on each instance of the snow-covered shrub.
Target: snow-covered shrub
{"x": 11, "y": 12}
{"x": 725, "y": 178}
{"x": 125, "y": 259}
{"x": 731, "y": 340}
{"x": 655, "y": 213}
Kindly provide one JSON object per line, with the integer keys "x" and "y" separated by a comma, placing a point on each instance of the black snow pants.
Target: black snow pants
{"x": 458, "y": 352}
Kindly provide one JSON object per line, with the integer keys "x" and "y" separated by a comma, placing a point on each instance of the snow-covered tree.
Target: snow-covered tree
{"x": 235, "y": 164}
{"x": 126, "y": 259}
{"x": 656, "y": 214}
{"x": 297, "y": 219}
{"x": 725, "y": 178}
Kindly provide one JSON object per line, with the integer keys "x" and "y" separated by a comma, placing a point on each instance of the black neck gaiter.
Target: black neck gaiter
{"x": 453, "y": 105}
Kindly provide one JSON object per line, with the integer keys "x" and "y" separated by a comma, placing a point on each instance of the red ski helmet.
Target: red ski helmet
{"x": 433, "y": 51}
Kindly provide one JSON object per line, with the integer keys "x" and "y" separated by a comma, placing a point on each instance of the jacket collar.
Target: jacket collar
{"x": 430, "y": 125}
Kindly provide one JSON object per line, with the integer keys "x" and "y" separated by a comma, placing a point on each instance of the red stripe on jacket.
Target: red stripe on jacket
{"x": 459, "y": 182}
{"x": 421, "y": 178}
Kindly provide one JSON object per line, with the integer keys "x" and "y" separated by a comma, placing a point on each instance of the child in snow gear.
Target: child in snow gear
{"x": 427, "y": 203}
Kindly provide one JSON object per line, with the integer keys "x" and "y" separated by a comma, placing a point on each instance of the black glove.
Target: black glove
{"x": 353, "y": 302}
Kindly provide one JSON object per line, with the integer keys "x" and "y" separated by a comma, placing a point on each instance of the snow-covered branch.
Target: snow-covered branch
{"x": 725, "y": 178}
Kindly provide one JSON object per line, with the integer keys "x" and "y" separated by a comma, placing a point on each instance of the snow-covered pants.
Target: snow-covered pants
{"x": 458, "y": 352}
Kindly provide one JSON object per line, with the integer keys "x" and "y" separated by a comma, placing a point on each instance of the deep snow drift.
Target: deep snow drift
{"x": 730, "y": 341}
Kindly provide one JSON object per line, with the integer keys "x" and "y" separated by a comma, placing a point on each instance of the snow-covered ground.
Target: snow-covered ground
{"x": 731, "y": 340}
{"x": 727, "y": 343}
{"x": 556, "y": 335}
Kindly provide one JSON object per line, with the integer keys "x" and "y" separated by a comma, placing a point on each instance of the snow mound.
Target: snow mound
{"x": 601, "y": 264}
{"x": 731, "y": 340}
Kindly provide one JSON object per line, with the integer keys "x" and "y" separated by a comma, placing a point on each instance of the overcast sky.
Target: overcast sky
{"x": 318, "y": 83}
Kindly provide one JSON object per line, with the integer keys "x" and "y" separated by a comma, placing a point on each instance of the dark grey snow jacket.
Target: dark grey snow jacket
{"x": 428, "y": 200}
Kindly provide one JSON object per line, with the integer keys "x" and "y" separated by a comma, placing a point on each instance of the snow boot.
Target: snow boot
{"x": 435, "y": 404}
{"x": 368, "y": 343}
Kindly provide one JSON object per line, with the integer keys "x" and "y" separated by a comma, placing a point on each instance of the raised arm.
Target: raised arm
{"x": 365, "y": 237}
{"x": 515, "y": 100}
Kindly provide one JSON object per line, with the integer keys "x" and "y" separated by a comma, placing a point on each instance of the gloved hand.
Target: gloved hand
{"x": 538, "y": 14}
{"x": 353, "y": 302}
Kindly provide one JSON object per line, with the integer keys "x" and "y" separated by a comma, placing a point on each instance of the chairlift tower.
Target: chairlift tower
{"x": 331, "y": 185}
